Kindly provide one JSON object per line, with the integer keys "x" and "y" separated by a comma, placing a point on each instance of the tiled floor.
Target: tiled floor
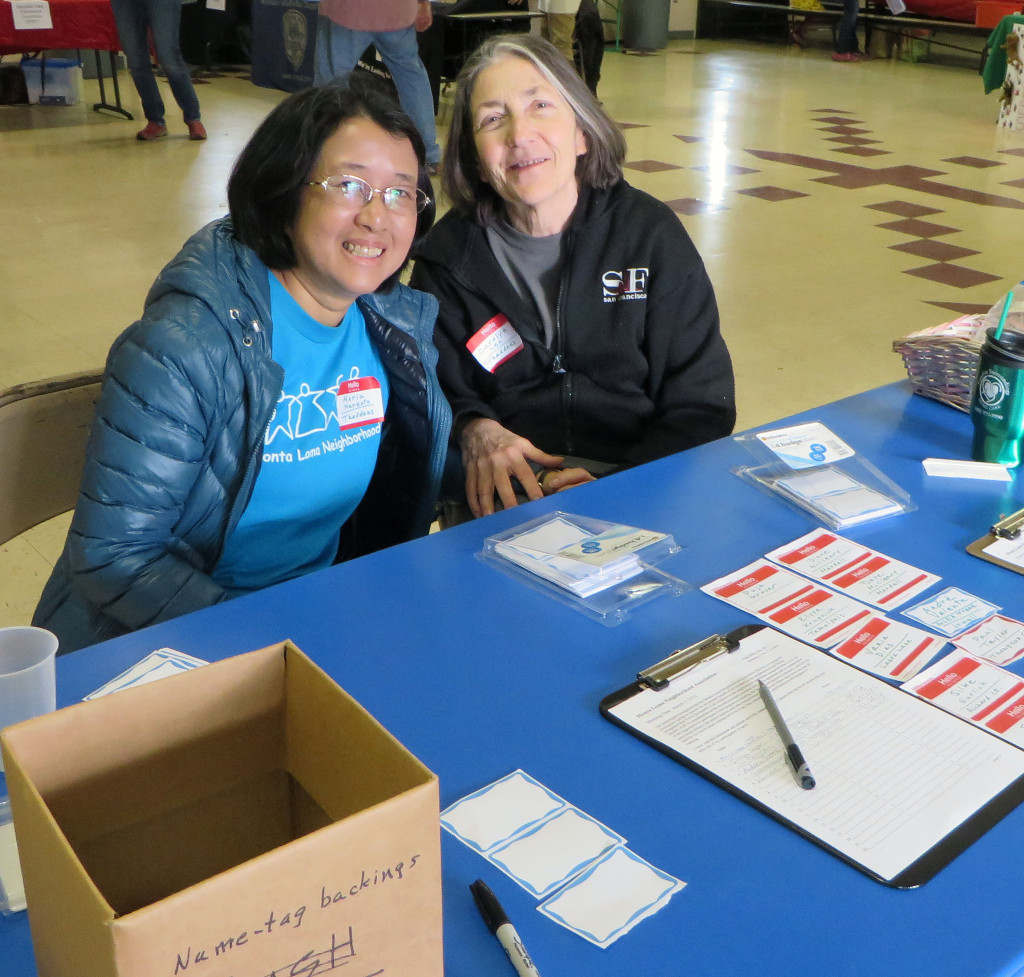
{"x": 837, "y": 206}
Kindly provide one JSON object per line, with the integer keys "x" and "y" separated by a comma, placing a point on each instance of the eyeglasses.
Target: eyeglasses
{"x": 399, "y": 200}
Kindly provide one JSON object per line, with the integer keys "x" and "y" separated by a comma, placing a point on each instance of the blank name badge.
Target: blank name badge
{"x": 494, "y": 342}
{"x": 360, "y": 402}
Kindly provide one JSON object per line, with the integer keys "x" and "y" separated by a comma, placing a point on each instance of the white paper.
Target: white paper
{"x": 556, "y": 850}
{"x": 889, "y": 648}
{"x": 497, "y": 812}
{"x": 957, "y": 468}
{"x": 805, "y": 445}
{"x": 975, "y": 690}
{"x": 1008, "y": 550}
{"x": 580, "y": 561}
{"x": 853, "y": 569}
{"x": 951, "y": 611}
{"x": 894, "y": 776}
{"x": 31, "y": 15}
{"x": 156, "y": 665}
{"x": 611, "y": 897}
{"x": 790, "y": 602}
{"x": 999, "y": 639}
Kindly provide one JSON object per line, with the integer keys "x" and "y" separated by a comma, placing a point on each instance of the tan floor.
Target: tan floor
{"x": 783, "y": 165}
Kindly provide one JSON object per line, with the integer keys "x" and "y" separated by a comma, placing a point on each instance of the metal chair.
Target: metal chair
{"x": 43, "y": 430}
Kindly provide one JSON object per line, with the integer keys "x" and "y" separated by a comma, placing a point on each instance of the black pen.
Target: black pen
{"x": 497, "y": 922}
{"x": 794, "y": 757}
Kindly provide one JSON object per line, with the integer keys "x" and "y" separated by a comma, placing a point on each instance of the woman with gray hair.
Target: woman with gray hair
{"x": 578, "y": 329}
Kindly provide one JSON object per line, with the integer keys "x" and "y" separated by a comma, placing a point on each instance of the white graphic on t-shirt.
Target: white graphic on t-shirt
{"x": 281, "y": 419}
{"x": 311, "y": 411}
{"x": 312, "y": 418}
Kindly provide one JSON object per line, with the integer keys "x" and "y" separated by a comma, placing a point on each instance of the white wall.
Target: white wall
{"x": 683, "y": 16}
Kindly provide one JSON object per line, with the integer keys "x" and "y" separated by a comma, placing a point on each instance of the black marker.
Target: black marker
{"x": 497, "y": 922}
{"x": 794, "y": 757}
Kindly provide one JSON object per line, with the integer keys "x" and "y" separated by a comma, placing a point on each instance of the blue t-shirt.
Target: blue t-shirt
{"x": 320, "y": 448}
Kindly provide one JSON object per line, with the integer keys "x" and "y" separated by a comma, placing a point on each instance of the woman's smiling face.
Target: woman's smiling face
{"x": 344, "y": 250}
{"x": 527, "y": 141}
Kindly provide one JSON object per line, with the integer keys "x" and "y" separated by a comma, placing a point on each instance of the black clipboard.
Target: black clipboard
{"x": 659, "y": 676}
{"x": 1008, "y": 528}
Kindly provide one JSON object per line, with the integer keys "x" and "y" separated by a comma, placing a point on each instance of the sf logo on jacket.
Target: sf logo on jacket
{"x": 624, "y": 286}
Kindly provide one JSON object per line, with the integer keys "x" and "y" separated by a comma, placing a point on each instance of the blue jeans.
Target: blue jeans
{"x": 163, "y": 17}
{"x": 338, "y": 49}
{"x": 846, "y": 34}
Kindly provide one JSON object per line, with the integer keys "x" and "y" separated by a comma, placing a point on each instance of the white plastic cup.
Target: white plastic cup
{"x": 28, "y": 681}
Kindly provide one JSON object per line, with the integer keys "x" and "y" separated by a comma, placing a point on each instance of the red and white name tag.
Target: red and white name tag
{"x": 360, "y": 402}
{"x": 494, "y": 343}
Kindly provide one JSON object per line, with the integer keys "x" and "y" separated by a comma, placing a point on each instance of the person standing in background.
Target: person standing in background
{"x": 163, "y": 18}
{"x": 346, "y": 28}
{"x": 558, "y": 24}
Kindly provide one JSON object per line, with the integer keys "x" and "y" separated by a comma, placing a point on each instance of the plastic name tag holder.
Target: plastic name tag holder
{"x": 601, "y": 569}
{"x": 812, "y": 469}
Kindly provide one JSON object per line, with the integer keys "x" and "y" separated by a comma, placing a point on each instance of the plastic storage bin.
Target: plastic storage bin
{"x": 53, "y": 81}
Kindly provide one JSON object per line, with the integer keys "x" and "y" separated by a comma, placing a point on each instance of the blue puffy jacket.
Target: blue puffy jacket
{"x": 177, "y": 442}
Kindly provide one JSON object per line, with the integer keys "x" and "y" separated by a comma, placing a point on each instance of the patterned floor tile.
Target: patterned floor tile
{"x": 863, "y": 151}
{"x": 853, "y": 140}
{"x": 960, "y": 308}
{"x": 688, "y": 206}
{"x": 1012, "y": 152}
{"x": 838, "y": 120}
{"x": 934, "y": 250}
{"x": 731, "y": 168}
{"x": 1013, "y": 183}
{"x": 976, "y": 162}
{"x": 902, "y": 208}
{"x": 952, "y": 275}
{"x": 651, "y": 166}
{"x": 918, "y": 228}
{"x": 691, "y": 138}
{"x": 845, "y": 130}
{"x": 773, "y": 194}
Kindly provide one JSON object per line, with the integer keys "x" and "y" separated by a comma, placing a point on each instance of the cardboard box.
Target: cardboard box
{"x": 988, "y": 13}
{"x": 55, "y": 81}
{"x": 243, "y": 819}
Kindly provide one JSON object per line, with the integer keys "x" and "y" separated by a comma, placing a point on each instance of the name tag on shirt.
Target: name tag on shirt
{"x": 494, "y": 343}
{"x": 360, "y": 402}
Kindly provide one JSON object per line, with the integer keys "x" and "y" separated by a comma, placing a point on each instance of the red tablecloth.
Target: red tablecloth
{"x": 87, "y": 24}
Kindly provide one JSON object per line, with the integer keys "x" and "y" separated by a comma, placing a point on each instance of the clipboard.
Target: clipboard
{"x": 675, "y": 702}
{"x": 1008, "y": 529}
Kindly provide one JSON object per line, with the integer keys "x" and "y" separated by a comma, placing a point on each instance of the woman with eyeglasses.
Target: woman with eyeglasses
{"x": 276, "y": 408}
{"x": 578, "y": 330}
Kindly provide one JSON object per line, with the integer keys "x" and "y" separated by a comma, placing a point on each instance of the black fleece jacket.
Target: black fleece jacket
{"x": 638, "y": 368}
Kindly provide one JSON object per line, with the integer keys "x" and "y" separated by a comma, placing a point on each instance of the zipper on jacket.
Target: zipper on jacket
{"x": 558, "y": 366}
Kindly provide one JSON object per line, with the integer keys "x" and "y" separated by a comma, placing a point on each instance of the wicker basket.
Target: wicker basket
{"x": 942, "y": 362}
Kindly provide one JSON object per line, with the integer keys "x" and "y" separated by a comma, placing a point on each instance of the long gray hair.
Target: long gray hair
{"x": 600, "y": 166}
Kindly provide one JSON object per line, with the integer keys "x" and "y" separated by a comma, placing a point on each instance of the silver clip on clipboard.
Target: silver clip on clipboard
{"x": 658, "y": 676}
{"x": 1009, "y": 527}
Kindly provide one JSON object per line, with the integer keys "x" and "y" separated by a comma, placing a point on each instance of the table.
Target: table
{"x": 479, "y": 675}
{"x": 81, "y": 24}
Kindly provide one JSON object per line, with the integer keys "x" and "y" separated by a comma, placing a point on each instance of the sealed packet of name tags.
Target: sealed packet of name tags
{"x": 602, "y": 569}
{"x": 812, "y": 469}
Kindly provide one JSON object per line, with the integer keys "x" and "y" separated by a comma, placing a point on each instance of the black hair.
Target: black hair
{"x": 273, "y": 170}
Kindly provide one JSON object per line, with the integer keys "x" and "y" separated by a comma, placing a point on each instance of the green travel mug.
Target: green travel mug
{"x": 997, "y": 404}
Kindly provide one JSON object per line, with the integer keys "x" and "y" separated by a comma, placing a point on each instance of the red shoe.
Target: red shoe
{"x": 196, "y": 130}
{"x": 152, "y": 131}
{"x": 848, "y": 57}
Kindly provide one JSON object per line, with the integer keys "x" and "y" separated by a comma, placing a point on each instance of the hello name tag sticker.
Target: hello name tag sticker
{"x": 494, "y": 343}
{"x": 360, "y": 402}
